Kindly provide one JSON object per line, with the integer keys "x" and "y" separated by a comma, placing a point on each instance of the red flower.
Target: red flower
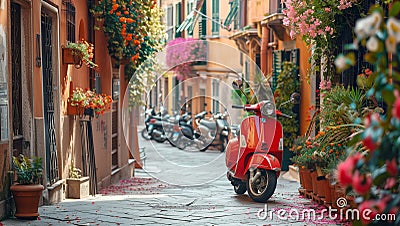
{"x": 346, "y": 168}
{"x": 391, "y": 167}
{"x": 390, "y": 182}
{"x": 367, "y": 211}
{"x": 361, "y": 183}
{"x": 345, "y": 173}
{"x": 396, "y": 107}
{"x": 369, "y": 143}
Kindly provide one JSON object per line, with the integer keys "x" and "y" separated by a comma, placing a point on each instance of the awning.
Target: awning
{"x": 232, "y": 13}
{"x": 191, "y": 18}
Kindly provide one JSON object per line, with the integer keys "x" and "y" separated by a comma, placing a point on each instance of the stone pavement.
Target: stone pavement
{"x": 176, "y": 188}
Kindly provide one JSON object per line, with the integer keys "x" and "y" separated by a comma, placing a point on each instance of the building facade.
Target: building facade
{"x": 36, "y": 118}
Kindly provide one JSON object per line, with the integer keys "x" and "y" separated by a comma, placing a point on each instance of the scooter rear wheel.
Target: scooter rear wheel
{"x": 264, "y": 187}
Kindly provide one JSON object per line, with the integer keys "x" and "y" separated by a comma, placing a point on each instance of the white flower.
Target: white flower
{"x": 372, "y": 44}
{"x": 393, "y": 26}
{"x": 391, "y": 44}
{"x": 368, "y": 26}
{"x": 340, "y": 62}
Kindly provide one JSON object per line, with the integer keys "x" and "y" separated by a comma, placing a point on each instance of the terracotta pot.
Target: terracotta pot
{"x": 125, "y": 61}
{"x": 307, "y": 180}
{"x": 328, "y": 191}
{"x": 26, "y": 198}
{"x": 301, "y": 175}
{"x": 69, "y": 57}
{"x": 314, "y": 182}
{"x": 320, "y": 187}
{"x": 339, "y": 193}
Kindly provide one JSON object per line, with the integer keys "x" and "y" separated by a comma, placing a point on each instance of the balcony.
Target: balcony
{"x": 275, "y": 18}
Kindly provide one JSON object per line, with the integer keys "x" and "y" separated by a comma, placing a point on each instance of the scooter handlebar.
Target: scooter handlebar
{"x": 287, "y": 116}
{"x": 237, "y": 106}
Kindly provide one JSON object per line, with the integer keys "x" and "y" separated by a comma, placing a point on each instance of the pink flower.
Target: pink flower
{"x": 390, "y": 182}
{"x": 396, "y": 107}
{"x": 369, "y": 143}
{"x": 367, "y": 211}
{"x": 391, "y": 167}
{"x": 345, "y": 169}
{"x": 327, "y": 9}
{"x": 361, "y": 183}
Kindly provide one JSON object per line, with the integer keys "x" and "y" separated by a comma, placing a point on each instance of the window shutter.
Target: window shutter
{"x": 215, "y": 17}
{"x": 277, "y": 56}
{"x": 203, "y": 22}
{"x": 178, "y": 9}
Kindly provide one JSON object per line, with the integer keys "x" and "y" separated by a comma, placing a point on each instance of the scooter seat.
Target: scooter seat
{"x": 211, "y": 125}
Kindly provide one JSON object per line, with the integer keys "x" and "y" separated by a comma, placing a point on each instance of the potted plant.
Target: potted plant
{"x": 79, "y": 52}
{"x": 27, "y": 191}
{"x": 89, "y": 102}
{"x": 77, "y": 186}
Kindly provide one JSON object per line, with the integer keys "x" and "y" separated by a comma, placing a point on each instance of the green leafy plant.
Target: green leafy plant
{"x": 29, "y": 171}
{"x": 133, "y": 28}
{"x": 375, "y": 174}
{"x": 288, "y": 83}
{"x": 83, "y": 50}
{"x": 74, "y": 172}
{"x": 89, "y": 99}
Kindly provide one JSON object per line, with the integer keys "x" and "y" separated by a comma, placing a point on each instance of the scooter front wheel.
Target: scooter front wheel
{"x": 240, "y": 188}
{"x": 262, "y": 188}
{"x": 145, "y": 134}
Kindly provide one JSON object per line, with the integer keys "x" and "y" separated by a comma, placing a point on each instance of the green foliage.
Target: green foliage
{"x": 381, "y": 136}
{"x": 74, "y": 172}
{"x": 288, "y": 83}
{"x": 29, "y": 171}
{"x": 133, "y": 29}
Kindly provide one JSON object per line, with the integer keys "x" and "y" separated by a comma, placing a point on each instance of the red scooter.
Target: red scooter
{"x": 254, "y": 157}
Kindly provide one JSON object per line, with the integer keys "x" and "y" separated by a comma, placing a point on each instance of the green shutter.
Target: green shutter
{"x": 215, "y": 17}
{"x": 277, "y": 65}
{"x": 232, "y": 13}
{"x": 203, "y": 21}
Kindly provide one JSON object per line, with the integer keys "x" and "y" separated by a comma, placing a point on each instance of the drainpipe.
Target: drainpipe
{"x": 264, "y": 50}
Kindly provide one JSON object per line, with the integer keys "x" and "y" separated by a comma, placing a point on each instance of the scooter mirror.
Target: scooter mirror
{"x": 237, "y": 84}
{"x": 295, "y": 98}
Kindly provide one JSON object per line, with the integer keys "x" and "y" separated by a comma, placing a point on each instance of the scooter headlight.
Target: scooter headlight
{"x": 267, "y": 109}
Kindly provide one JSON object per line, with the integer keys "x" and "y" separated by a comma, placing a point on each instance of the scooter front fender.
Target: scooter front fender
{"x": 264, "y": 161}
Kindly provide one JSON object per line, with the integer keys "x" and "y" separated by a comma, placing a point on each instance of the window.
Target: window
{"x": 170, "y": 23}
{"x": 70, "y": 18}
{"x": 215, "y": 17}
{"x": 189, "y": 9}
{"x": 203, "y": 21}
{"x": 278, "y": 57}
{"x": 215, "y": 87}
{"x": 178, "y": 18}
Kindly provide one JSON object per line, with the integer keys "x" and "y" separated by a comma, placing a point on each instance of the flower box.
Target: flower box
{"x": 78, "y": 188}
{"x": 70, "y": 56}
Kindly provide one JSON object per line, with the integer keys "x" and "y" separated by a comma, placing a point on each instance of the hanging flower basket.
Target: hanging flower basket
{"x": 70, "y": 56}
{"x": 79, "y": 53}
{"x": 89, "y": 103}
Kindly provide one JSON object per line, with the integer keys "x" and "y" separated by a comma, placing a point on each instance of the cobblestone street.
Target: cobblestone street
{"x": 144, "y": 200}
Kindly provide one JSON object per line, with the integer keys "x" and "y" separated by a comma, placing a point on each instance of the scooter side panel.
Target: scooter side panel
{"x": 232, "y": 154}
{"x": 248, "y": 142}
{"x": 273, "y": 137}
{"x": 263, "y": 161}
